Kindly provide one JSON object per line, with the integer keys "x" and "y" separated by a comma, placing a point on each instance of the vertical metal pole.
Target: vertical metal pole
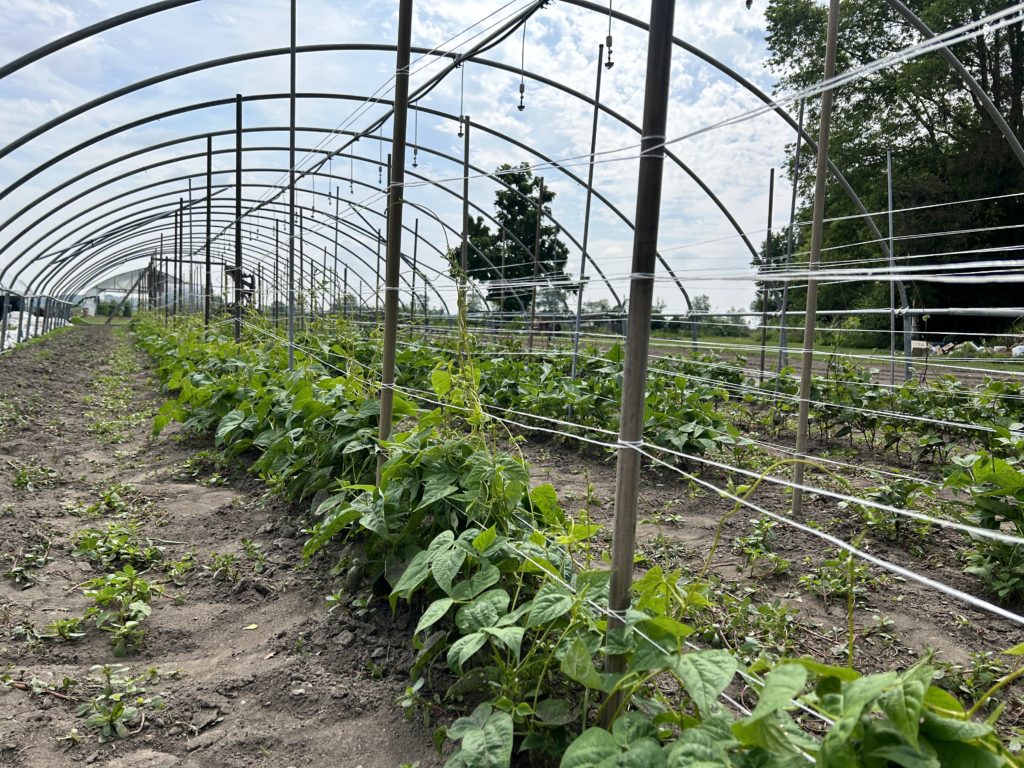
{"x": 337, "y": 203}
{"x": 190, "y": 251}
{"x": 258, "y": 293}
{"x": 4, "y": 313}
{"x": 165, "y": 287}
{"x": 21, "y": 318}
{"x": 177, "y": 256}
{"x": 768, "y": 256}
{"x": 892, "y": 276}
{"x": 5, "y": 309}
{"x": 376, "y": 291}
{"x": 344, "y": 296}
{"x": 415, "y": 253}
{"x": 464, "y": 252}
{"x": 208, "y": 290}
{"x": 817, "y": 225}
{"x": 536, "y": 262}
{"x": 275, "y": 307}
{"x": 394, "y": 251}
{"x": 238, "y": 217}
{"x": 302, "y": 269}
{"x": 291, "y": 198}
{"x": 641, "y": 293}
{"x": 783, "y": 330}
{"x": 586, "y": 219}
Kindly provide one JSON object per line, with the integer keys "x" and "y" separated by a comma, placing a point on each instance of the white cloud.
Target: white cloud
{"x": 561, "y": 44}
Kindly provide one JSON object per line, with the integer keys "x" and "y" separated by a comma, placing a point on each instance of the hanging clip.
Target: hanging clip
{"x": 608, "y": 43}
{"x": 522, "y": 93}
{"x": 415, "y": 155}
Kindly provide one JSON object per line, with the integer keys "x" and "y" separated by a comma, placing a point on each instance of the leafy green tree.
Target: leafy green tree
{"x": 507, "y": 256}
{"x": 945, "y": 148}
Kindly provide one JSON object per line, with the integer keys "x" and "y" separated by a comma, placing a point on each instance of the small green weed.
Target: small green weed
{"x": 119, "y": 703}
{"x": 31, "y": 475}
{"x": 25, "y": 567}
{"x": 121, "y": 602}
{"x": 838, "y": 576}
{"x": 756, "y": 549}
{"x": 116, "y": 545}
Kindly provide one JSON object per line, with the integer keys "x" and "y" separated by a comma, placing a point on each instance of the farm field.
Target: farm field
{"x": 424, "y": 385}
{"x": 238, "y": 662}
{"x": 711, "y": 579}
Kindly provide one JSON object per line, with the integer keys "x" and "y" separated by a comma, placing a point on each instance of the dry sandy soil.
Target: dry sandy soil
{"x": 252, "y": 668}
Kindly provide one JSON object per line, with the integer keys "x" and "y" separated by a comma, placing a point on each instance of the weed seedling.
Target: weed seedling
{"x": 120, "y": 605}
{"x": 224, "y": 567}
{"x": 118, "y": 544}
{"x": 31, "y": 475}
{"x": 254, "y": 553}
{"x": 119, "y": 702}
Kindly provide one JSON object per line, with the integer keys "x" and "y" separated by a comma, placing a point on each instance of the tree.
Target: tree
{"x": 945, "y": 148}
{"x": 505, "y": 258}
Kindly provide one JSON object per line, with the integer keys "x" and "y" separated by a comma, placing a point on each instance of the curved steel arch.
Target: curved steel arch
{"x": 50, "y": 272}
{"x": 162, "y": 115}
{"x": 251, "y": 184}
{"x": 167, "y": 161}
{"x": 270, "y": 52}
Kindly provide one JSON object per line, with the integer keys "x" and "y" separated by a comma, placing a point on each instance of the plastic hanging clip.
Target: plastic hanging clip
{"x": 608, "y": 43}
{"x": 522, "y": 93}
{"x": 415, "y": 156}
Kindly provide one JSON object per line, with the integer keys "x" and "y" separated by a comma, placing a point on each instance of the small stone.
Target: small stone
{"x": 268, "y": 528}
{"x": 377, "y": 652}
{"x": 345, "y": 638}
{"x": 298, "y": 692}
{"x": 282, "y": 543}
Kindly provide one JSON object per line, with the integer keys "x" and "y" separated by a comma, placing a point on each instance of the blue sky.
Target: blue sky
{"x": 561, "y": 43}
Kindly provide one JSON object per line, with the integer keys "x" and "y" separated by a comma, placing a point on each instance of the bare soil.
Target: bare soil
{"x": 253, "y": 669}
{"x": 896, "y": 622}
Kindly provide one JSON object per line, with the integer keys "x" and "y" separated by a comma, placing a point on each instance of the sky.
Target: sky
{"x": 560, "y": 43}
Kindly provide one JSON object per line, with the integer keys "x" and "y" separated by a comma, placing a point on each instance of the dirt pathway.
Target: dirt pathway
{"x": 250, "y": 667}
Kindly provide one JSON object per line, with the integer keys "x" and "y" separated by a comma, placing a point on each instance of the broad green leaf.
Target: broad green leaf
{"x": 510, "y": 637}
{"x": 698, "y": 748}
{"x": 554, "y": 712}
{"x": 633, "y": 726}
{"x": 959, "y": 755}
{"x": 440, "y": 381}
{"x": 463, "y": 648}
{"x": 781, "y": 686}
{"x": 903, "y": 704}
{"x": 484, "y": 539}
{"x": 905, "y": 756}
{"x": 705, "y": 674}
{"x": 483, "y": 611}
{"x": 827, "y": 670}
{"x": 433, "y": 614}
{"x": 1017, "y": 650}
{"x": 490, "y": 746}
{"x": 414, "y": 574}
{"x": 544, "y": 499}
{"x": 577, "y": 665}
{"x": 487, "y": 576}
{"x": 950, "y": 729}
{"x": 551, "y": 602}
{"x": 592, "y": 747}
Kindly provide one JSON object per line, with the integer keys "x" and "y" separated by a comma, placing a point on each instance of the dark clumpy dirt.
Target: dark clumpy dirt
{"x": 252, "y": 668}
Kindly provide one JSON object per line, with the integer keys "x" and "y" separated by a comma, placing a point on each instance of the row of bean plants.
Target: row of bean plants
{"x": 508, "y": 593}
